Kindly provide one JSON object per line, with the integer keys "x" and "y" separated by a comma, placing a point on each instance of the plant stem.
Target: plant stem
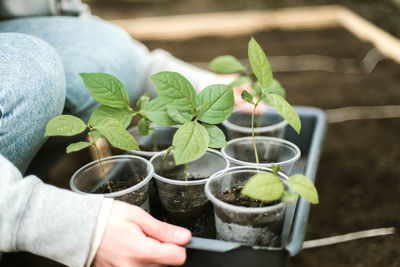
{"x": 155, "y": 146}
{"x": 186, "y": 171}
{"x": 102, "y": 168}
{"x": 252, "y": 132}
{"x": 252, "y": 126}
{"x": 259, "y": 120}
{"x": 163, "y": 160}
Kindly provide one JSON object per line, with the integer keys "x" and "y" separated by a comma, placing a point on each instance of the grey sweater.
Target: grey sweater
{"x": 43, "y": 219}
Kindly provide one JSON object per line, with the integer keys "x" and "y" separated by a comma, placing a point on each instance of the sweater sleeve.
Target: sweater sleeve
{"x": 45, "y": 220}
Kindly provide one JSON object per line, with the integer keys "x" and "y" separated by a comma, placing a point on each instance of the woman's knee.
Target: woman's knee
{"x": 88, "y": 45}
{"x": 32, "y": 91}
{"x": 32, "y": 74}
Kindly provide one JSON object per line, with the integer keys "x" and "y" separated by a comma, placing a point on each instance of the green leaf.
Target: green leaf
{"x": 64, "y": 125}
{"x": 216, "y": 135}
{"x": 263, "y": 186}
{"x": 77, "y": 146}
{"x": 226, "y": 64}
{"x": 175, "y": 90}
{"x": 275, "y": 88}
{"x": 302, "y": 185}
{"x": 180, "y": 116}
{"x": 275, "y": 169}
{"x": 156, "y": 111}
{"x": 121, "y": 114}
{"x": 145, "y": 128}
{"x": 106, "y": 89}
{"x": 246, "y": 96}
{"x": 190, "y": 142}
{"x": 217, "y": 103}
{"x": 96, "y": 135}
{"x": 142, "y": 100}
{"x": 260, "y": 64}
{"x": 288, "y": 196}
{"x": 241, "y": 80}
{"x": 286, "y": 111}
{"x": 116, "y": 134}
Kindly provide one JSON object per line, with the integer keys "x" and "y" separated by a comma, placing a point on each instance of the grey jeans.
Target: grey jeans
{"x": 41, "y": 58}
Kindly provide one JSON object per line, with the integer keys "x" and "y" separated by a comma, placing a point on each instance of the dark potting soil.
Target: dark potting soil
{"x": 115, "y": 186}
{"x": 235, "y": 197}
{"x": 187, "y": 206}
{"x": 263, "y": 228}
{"x": 137, "y": 197}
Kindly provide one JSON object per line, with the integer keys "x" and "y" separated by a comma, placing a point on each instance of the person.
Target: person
{"x": 44, "y": 45}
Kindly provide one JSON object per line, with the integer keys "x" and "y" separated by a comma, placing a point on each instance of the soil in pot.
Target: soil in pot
{"x": 138, "y": 197}
{"x": 187, "y": 206}
{"x": 234, "y": 197}
{"x": 184, "y": 203}
{"x": 260, "y": 229}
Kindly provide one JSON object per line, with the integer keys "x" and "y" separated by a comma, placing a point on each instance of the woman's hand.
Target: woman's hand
{"x": 132, "y": 237}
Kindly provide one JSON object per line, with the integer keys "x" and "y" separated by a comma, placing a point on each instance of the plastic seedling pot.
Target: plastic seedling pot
{"x": 130, "y": 173}
{"x": 267, "y": 123}
{"x": 184, "y": 203}
{"x": 253, "y": 226}
{"x": 163, "y": 137}
{"x": 270, "y": 150}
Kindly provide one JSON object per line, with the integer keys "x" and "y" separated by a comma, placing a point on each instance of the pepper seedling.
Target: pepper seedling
{"x": 178, "y": 103}
{"x": 266, "y": 186}
{"x": 109, "y": 120}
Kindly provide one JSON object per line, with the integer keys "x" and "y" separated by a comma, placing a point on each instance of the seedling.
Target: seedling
{"x": 109, "y": 120}
{"x": 198, "y": 115}
{"x": 266, "y": 186}
{"x": 264, "y": 89}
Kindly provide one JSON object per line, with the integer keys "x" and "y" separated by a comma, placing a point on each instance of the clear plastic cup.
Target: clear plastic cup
{"x": 270, "y": 150}
{"x": 119, "y": 169}
{"x": 163, "y": 138}
{"x": 268, "y": 123}
{"x": 184, "y": 202}
{"x": 162, "y": 135}
{"x": 254, "y": 226}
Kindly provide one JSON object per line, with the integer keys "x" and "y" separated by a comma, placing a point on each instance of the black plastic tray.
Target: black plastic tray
{"x": 211, "y": 252}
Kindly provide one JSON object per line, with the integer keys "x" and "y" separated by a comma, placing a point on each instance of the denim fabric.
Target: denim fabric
{"x": 32, "y": 91}
{"x": 37, "y": 75}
